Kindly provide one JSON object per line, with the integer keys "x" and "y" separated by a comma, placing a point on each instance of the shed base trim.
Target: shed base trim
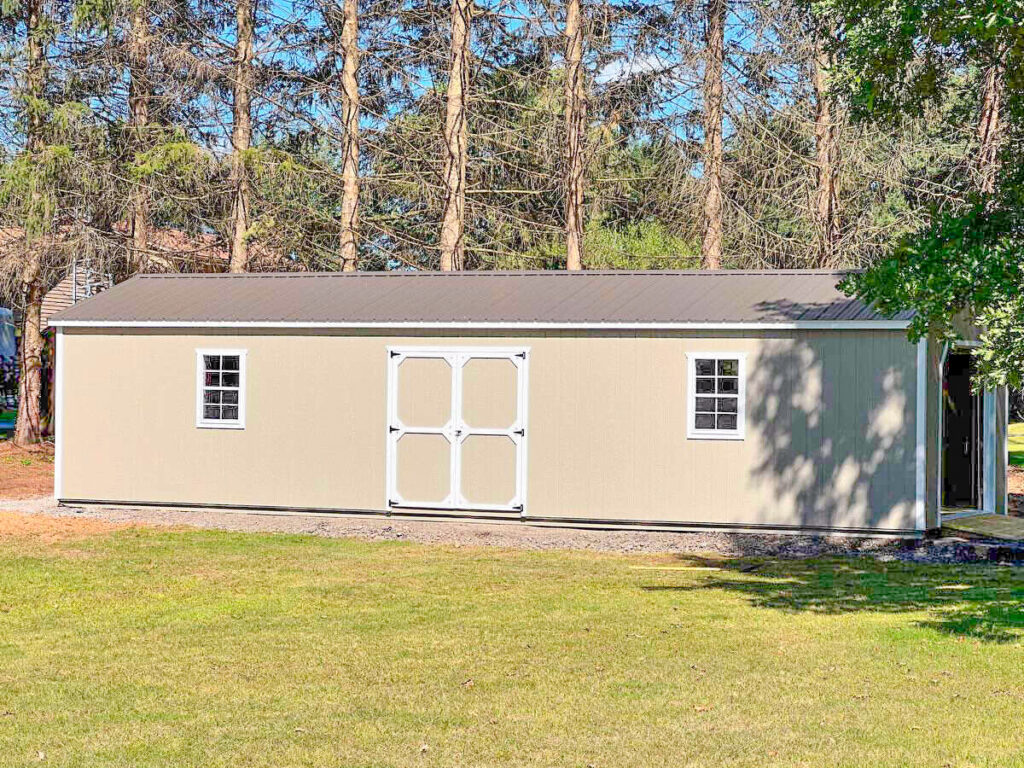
{"x": 515, "y": 518}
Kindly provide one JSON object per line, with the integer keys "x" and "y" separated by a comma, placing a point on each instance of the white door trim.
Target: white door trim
{"x": 989, "y": 426}
{"x": 988, "y": 471}
{"x": 456, "y": 431}
{"x": 921, "y": 436}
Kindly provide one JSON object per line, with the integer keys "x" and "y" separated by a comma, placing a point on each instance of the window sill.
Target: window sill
{"x": 214, "y": 425}
{"x": 715, "y": 436}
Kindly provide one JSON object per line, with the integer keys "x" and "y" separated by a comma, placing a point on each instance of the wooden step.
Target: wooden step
{"x": 999, "y": 527}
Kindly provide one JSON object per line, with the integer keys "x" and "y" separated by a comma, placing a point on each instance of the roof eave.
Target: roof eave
{"x": 805, "y": 325}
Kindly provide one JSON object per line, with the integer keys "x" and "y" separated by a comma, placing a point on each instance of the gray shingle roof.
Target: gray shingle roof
{"x": 542, "y": 298}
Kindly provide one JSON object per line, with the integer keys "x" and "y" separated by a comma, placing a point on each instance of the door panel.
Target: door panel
{"x": 425, "y": 392}
{"x": 457, "y": 428}
{"x": 488, "y": 470}
{"x": 489, "y": 393}
{"x": 424, "y": 467}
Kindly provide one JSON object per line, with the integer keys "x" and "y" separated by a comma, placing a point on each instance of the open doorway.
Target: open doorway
{"x": 963, "y": 431}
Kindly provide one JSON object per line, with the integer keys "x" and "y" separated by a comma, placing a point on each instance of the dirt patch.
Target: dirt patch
{"x": 1016, "y": 478}
{"x": 49, "y": 530}
{"x": 25, "y": 473}
{"x": 1016, "y": 489}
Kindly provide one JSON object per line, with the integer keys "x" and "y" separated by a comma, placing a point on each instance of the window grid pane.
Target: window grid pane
{"x": 718, "y": 377}
{"x": 221, "y": 387}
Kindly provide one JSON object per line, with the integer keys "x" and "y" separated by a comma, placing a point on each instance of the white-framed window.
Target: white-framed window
{"x": 717, "y": 395}
{"x": 220, "y": 388}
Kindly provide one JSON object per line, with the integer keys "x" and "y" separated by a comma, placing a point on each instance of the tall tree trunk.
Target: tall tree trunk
{"x": 711, "y": 247}
{"x": 350, "y": 115}
{"x": 28, "y": 428}
{"x": 453, "y": 245}
{"x": 241, "y": 133}
{"x": 575, "y": 125}
{"x": 990, "y": 128}
{"x": 826, "y": 139}
{"x": 139, "y": 96}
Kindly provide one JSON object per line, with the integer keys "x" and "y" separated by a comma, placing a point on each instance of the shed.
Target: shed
{"x": 668, "y": 400}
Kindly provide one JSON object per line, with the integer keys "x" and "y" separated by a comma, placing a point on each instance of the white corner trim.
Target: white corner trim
{"x": 805, "y": 325}
{"x": 920, "y": 453}
{"x": 1004, "y": 425}
{"x": 202, "y": 423}
{"x": 940, "y": 425}
{"x": 988, "y": 471}
{"x": 58, "y": 416}
{"x": 692, "y": 433}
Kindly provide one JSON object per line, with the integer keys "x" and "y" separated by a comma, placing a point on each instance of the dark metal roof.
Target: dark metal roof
{"x": 541, "y": 298}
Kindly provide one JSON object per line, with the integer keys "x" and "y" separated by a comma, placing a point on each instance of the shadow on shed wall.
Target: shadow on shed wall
{"x": 833, "y": 417}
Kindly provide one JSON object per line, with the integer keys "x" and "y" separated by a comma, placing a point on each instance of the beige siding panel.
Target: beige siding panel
{"x": 830, "y": 425}
{"x": 488, "y": 470}
{"x": 315, "y": 422}
{"x": 423, "y": 466}
{"x": 424, "y": 392}
{"x": 489, "y": 391}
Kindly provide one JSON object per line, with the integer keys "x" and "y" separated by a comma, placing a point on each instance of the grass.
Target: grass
{"x": 162, "y": 648}
{"x": 1017, "y": 444}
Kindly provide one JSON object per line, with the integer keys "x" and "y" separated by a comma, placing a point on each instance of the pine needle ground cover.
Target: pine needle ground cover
{"x": 144, "y": 647}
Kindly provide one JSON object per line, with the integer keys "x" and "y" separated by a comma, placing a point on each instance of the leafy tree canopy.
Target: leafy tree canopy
{"x": 896, "y": 58}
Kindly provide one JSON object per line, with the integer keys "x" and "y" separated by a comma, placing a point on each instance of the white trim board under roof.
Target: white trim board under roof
{"x": 608, "y": 300}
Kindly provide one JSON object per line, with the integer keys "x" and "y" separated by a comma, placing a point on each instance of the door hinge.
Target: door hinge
{"x": 521, "y": 354}
{"x": 392, "y": 428}
{"x": 520, "y": 432}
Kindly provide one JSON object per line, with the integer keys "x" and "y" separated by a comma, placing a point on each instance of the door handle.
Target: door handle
{"x": 967, "y": 446}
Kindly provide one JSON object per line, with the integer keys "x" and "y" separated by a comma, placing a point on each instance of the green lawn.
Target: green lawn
{"x": 144, "y": 648}
{"x": 1017, "y": 444}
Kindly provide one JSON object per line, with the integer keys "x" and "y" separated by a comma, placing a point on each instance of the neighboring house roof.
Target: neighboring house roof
{"x": 8, "y": 345}
{"x": 482, "y": 299}
{"x": 58, "y": 298}
{"x": 177, "y": 249}
{"x": 77, "y": 286}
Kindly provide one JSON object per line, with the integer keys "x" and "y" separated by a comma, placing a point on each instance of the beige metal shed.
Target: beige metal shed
{"x": 678, "y": 400}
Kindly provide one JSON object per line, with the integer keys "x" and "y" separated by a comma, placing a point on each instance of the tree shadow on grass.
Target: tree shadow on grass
{"x": 972, "y": 601}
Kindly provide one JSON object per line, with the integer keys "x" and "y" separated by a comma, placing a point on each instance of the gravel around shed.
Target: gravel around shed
{"x": 514, "y": 535}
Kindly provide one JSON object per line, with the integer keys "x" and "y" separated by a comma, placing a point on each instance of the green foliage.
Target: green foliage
{"x": 898, "y": 56}
{"x": 175, "y": 158}
{"x": 967, "y": 261}
{"x": 640, "y": 245}
{"x": 966, "y": 266}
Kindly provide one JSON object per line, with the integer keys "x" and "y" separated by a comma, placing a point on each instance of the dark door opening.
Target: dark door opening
{"x": 961, "y": 435}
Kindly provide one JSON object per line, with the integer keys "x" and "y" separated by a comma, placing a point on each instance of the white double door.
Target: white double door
{"x": 457, "y": 428}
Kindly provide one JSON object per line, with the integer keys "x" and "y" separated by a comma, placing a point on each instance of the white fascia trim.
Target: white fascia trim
{"x": 807, "y": 325}
{"x": 920, "y": 454}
